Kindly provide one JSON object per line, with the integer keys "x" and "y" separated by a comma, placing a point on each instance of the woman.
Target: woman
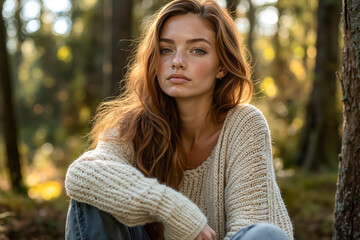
{"x": 181, "y": 152}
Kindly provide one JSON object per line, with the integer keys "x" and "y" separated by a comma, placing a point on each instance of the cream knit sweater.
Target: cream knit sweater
{"x": 233, "y": 188}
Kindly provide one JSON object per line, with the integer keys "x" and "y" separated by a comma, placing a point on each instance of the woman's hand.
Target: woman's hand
{"x": 206, "y": 234}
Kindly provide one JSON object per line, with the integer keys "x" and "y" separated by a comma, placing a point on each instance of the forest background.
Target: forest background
{"x": 65, "y": 57}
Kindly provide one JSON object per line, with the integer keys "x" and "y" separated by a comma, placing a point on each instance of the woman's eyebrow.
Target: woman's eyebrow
{"x": 167, "y": 40}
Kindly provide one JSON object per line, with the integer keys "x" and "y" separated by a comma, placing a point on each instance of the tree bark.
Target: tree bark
{"x": 121, "y": 35}
{"x": 7, "y": 112}
{"x": 320, "y": 140}
{"x": 347, "y": 206}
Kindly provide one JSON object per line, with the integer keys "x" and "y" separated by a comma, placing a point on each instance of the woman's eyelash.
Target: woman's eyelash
{"x": 199, "y": 51}
{"x": 165, "y": 50}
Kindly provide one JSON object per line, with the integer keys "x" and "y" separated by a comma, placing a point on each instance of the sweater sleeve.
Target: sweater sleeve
{"x": 104, "y": 178}
{"x": 251, "y": 192}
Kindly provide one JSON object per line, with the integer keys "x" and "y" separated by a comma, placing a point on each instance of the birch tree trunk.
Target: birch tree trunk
{"x": 347, "y": 206}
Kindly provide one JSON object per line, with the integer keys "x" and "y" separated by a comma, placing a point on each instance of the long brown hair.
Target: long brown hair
{"x": 147, "y": 118}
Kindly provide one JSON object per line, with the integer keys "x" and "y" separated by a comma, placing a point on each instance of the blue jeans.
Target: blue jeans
{"x": 85, "y": 222}
{"x": 260, "y": 231}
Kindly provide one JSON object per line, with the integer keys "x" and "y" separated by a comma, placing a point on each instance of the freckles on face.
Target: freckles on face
{"x": 188, "y": 63}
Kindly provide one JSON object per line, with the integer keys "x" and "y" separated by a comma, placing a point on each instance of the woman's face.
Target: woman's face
{"x": 188, "y": 64}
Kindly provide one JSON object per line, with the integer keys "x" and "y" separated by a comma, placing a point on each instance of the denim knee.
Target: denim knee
{"x": 260, "y": 231}
{"x": 85, "y": 222}
{"x": 75, "y": 228}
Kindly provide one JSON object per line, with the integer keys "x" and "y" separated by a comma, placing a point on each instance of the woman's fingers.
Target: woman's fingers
{"x": 206, "y": 234}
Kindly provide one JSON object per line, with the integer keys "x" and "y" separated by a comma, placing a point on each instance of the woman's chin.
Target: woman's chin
{"x": 177, "y": 93}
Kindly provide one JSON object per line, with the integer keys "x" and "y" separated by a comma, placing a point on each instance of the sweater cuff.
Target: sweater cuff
{"x": 182, "y": 219}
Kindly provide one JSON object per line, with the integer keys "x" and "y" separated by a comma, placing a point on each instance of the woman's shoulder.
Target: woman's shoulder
{"x": 246, "y": 114}
{"x": 110, "y": 142}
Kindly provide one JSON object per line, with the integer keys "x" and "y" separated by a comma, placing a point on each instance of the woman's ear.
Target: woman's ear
{"x": 222, "y": 73}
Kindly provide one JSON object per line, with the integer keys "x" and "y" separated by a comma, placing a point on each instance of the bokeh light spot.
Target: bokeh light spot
{"x": 269, "y": 53}
{"x": 297, "y": 69}
{"x": 243, "y": 25}
{"x": 84, "y": 115}
{"x": 45, "y": 191}
{"x": 47, "y": 148}
{"x": 57, "y": 5}
{"x": 38, "y": 109}
{"x": 63, "y": 96}
{"x": 32, "y": 26}
{"x": 311, "y": 52}
{"x": 30, "y": 10}
{"x": 62, "y": 26}
{"x": 64, "y": 54}
{"x": 269, "y": 87}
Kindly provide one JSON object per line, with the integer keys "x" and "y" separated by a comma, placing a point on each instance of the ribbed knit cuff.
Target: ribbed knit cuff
{"x": 182, "y": 219}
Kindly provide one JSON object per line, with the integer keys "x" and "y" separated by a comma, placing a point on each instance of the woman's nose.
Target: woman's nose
{"x": 178, "y": 61}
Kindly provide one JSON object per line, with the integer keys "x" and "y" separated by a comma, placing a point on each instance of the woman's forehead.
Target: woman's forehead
{"x": 189, "y": 26}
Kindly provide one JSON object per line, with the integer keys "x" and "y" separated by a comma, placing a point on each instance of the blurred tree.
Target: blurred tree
{"x": 251, "y": 39}
{"x": 19, "y": 33}
{"x": 320, "y": 142}
{"x": 231, "y": 6}
{"x": 7, "y": 112}
{"x": 290, "y": 47}
{"x": 121, "y": 35}
{"x": 347, "y": 206}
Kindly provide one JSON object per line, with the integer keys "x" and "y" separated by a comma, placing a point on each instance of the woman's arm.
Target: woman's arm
{"x": 251, "y": 193}
{"x": 105, "y": 179}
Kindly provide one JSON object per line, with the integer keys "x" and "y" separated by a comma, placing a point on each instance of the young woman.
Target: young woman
{"x": 181, "y": 155}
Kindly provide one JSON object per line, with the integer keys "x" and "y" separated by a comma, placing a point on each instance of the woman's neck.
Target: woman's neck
{"x": 196, "y": 122}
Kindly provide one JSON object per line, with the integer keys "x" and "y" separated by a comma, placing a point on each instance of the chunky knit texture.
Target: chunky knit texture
{"x": 233, "y": 188}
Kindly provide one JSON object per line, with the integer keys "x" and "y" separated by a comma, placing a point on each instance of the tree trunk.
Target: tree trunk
{"x": 251, "y": 40}
{"x": 231, "y": 6}
{"x": 281, "y": 74}
{"x": 121, "y": 35}
{"x": 347, "y": 206}
{"x": 7, "y": 112}
{"x": 320, "y": 140}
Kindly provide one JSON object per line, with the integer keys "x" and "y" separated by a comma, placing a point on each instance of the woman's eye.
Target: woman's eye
{"x": 199, "y": 51}
{"x": 165, "y": 50}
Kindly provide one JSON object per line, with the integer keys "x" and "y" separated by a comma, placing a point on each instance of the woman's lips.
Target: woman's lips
{"x": 178, "y": 78}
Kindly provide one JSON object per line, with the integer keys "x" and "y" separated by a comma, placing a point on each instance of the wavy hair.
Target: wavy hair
{"x": 147, "y": 118}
